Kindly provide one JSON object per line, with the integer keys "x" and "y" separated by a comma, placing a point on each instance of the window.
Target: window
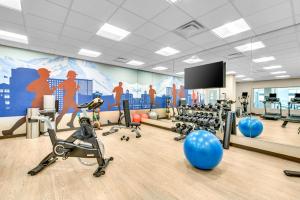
{"x": 284, "y": 94}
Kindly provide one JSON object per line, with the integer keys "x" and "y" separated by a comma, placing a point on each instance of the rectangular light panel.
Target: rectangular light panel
{"x": 278, "y": 72}
{"x": 5, "y": 35}
{"x": 11, "y": 4}
{"x": 180, "y": 73}
{"x": 192, "y": 60}
{"x": 159, "y": 68}
{"x": 273, "y": 67}
{"x": 135, "y": 63}
{"x": 112, "y": 32}
{"x": 231, "y": 28}
{"x": 283, "y": 76}
{"x": 89, "y": 53}
{"x": 264, "y": 59}
{"x": 167, "y": 51}
{"x": 250, "y": 46}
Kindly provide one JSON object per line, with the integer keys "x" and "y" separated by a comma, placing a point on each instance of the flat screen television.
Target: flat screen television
{"x": 211, "y": 75}
{"x": 244, "y": 94}
{"x": 272, "y": 95}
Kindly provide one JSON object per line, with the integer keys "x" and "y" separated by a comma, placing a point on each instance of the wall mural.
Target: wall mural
{"x": 25, "y": 76}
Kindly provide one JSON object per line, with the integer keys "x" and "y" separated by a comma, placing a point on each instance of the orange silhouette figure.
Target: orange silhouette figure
{"x": 40, "y": 87}
{"x": 152, "y": 94}
{"x": 195, "y": 97}
{"x": 119, "y": 91}
{"x": 174, "y": 94}
{"x": 181, "y": 92}
{"x": 70, "y": 88}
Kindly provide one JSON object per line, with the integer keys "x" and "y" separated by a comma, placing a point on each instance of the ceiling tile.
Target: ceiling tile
{"x": 219, "y": 16}
{"x": 126, "y": 20}
{"x": 150, "y": 31}
{"x": 135, "y": 40}
{"x": 45, "y": 9}
{"x": 43, "y": 24}
{"x": 64, "y": 3}
{"x": 197, "y": 8}
{"x": 76, "y": 33}
{"x": 98, "y": 9}
{"x": 296, "y": 5}
{"x": 71, "y": 43}
{"x": 204, "y": 38}
{"x": 274, "y": 25}
{"x": 116, "y": 2}
{"x": 123, "y": 47}
{"x": 184, "y": 45}
{"x": 171, "y": 18}
{"x": 169, "y": 38}
{"x": 102, "y": 42}
{"x": 11, "y": 16}
{"x": 83, "y": 22}
{"x": 145, "y": 8}
{"x": 34, "y": 33}
{"x": 250, "y": 7}
{"x": 267, "y": 16}
{"x": 11, "y": 27}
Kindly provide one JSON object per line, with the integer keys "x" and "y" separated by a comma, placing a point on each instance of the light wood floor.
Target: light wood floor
{"x": 273, "y": 132}
{"x": 152, "y": 167}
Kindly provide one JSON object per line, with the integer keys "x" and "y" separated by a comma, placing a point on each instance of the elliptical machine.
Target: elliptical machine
{"x": 244, "y": 101}
{"x": 93, "y": 147}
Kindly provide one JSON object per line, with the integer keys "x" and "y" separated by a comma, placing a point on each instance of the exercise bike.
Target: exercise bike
{"x": 90, "y": 148}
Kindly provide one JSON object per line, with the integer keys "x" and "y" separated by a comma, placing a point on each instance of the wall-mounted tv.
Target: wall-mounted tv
{"x": 211, "y": 75}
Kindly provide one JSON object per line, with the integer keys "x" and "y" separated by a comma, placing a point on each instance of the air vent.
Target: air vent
{"x": 190, "y": 29}
{"x": 121, "y": 59}
{"x": 233, "y": 56}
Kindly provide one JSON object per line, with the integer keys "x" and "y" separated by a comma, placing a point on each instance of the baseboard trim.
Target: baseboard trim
{"x": 12, "y": 136}
{"x": 270, "y": 153}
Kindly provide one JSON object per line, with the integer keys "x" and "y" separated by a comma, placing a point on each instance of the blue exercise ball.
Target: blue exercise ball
{"x": 250, "y": 127}
{"x": 203, "y": 150}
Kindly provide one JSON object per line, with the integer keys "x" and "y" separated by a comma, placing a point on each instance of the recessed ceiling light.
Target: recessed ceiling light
{"x": 5, "y": 35}
{"x": 231, "y": 28}
{"x": 112, "y": 32}
{"x": 273, "y": 67}
{"x": 192, "y": 60}
{"x": 240, "y": 76}
{"x": 263, "y": 59}
{"x": 89, "y": 53}
{"x": 159, "y": 68}
{"x": 135, "y": 62}
{"x": 180, "y": 73}
{"x": 250, "y": 46}
{"x": 248, "y": 79}
{"x": 279, "y": 72}
{"x": 283, "y": 76}
{"x": 12, "y": 4}
{"x": 167, "y": 51}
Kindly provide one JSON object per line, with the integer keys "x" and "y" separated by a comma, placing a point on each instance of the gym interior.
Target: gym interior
{"x": 149, "y": 99}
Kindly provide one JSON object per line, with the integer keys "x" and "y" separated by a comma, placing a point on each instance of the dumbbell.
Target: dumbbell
{"x": 187, "y": 130}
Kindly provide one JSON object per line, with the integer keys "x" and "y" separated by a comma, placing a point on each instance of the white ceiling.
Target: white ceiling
{"x": 64, "y": 26}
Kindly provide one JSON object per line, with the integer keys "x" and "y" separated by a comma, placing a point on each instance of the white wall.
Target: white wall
{"x": 230, "y": 89}
{"x": 249, "y": 86}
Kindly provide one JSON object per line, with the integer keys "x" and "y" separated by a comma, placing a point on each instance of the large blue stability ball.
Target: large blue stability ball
{"x": 203, "y": 149}
{"x": 250, "y": 127}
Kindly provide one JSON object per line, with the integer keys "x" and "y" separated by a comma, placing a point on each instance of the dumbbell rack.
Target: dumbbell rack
{"x": 197, "y": 117}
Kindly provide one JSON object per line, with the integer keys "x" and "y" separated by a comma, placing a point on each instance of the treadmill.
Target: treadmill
{"x": 272, "y": 100}
{"x": 293, "y": 104}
